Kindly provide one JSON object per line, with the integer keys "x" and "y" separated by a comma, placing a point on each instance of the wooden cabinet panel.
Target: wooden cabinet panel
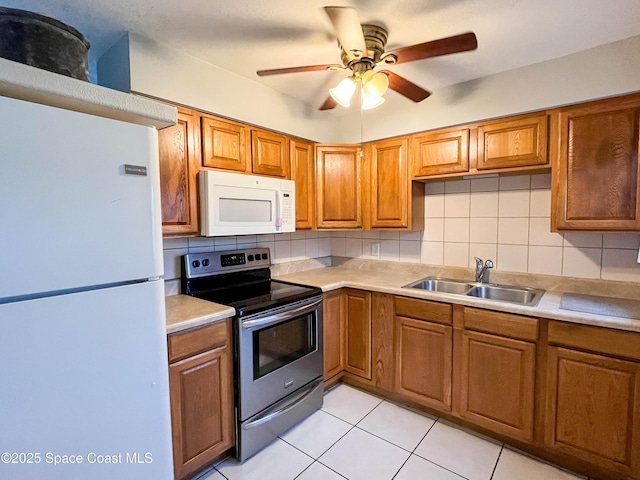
{"x": 423, "y": 362}
{"x": 269, "y": 153}
{"x": 196, "y": 340}
{"x": 382, "y": 343}
{"x": 445, "y": 151}
{"x": 424, "y": 310}
{"x": 513, "y": 143}
{"x": 201, "y": 393}
{"x": 303, "y": 173}
{"x": 333, "y": 327}
{"x": 497, "y": 383}
{"x": 358, "y": 332}
{"x": 593, "y": 409}
{"x": 389, "y": 185}
{"x": 225, "y": 145}
{"x": 338, "y": 186}
{"x": 178, "y": 148}
{"x": 596, "y": 166}
{"x": 503, "y": 324}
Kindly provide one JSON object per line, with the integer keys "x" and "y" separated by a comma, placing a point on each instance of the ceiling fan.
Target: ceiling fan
{"x": 363, "y": 51}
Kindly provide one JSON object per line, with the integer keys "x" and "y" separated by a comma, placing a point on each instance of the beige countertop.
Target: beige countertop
{"x": 390, "y": 281}
{"x": 184, "y": 311}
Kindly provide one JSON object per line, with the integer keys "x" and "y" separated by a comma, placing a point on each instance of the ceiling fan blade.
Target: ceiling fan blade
{"x": 405, "y": 87}
{"x": 328, "y": 104}
{"x": 436, "y": 48}
{"x": 348, "y": 29}
{"x": 309, "y": 68}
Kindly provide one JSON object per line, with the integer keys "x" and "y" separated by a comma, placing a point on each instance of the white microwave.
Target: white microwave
{"x": 237, "y": 204}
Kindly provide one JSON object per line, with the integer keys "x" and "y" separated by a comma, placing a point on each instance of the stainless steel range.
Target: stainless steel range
{"x": 278, "y": 341}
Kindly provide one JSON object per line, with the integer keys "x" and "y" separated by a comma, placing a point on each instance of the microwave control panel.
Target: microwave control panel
{"x": 287, "y": 208}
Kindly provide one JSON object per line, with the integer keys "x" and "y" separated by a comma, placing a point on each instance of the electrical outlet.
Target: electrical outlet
{"x": 375, "y": 249}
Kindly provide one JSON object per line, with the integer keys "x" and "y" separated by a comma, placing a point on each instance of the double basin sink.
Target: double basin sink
{"x": 502, "y": 293}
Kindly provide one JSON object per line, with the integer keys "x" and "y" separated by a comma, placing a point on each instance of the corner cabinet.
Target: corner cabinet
{"x": 392, "y": 200}
{"x": 595, "y": 166}
{"x": 338, "y": 186}
{"x": 303, "y": 173}
{"x": 179, "y": 154}
{"x": 201, "y": 395}
{"x": 357, "y": 308}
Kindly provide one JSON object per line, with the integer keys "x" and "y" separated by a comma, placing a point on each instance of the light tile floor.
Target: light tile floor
{"x": 358, "y": 436}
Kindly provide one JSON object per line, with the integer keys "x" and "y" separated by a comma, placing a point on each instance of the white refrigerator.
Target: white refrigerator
{"x": 83, "y": 363}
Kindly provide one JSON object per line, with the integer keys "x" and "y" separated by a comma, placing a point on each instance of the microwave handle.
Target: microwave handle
{"x": 279, "y": 209}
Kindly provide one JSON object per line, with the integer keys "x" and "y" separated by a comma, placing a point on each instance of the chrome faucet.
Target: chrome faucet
{"x": 481, "y": 270}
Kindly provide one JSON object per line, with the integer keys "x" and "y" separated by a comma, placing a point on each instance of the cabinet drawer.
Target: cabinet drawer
{"x": 595, "y": 339}
{"x": 503, "y": 324}
{"x": 191, "y": 342}
{"x": 424, "y": 310}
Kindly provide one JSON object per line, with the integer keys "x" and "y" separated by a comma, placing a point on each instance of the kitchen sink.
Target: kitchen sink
{"x": 442, "y": 285}
{"x": 488, "y": 291}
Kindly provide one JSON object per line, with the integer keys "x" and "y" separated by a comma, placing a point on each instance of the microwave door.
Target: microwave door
{"x": 245, "y": 211}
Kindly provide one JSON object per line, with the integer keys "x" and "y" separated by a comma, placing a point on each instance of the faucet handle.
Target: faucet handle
{"x": 488, "y": 264}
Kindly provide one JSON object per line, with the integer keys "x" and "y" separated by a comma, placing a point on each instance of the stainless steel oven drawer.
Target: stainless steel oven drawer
{"x": 264, "y": 427}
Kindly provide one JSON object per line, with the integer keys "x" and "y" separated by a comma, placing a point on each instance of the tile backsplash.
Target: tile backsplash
{"x": 505, "y": 219}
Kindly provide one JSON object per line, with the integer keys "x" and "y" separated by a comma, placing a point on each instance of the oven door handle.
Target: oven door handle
{"x": 281, "y": 411}
{"x": 278, "y": 317}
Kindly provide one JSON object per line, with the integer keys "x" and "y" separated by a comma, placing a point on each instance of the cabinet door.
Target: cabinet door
{"x": 224, "y": 145}
{"x": 201, "y": 391}
{"x": 269, "y": 153}
{"x": 389, "y": 183}
{"x": 513, "y": 143}
{"x": 338, "y": 184}
{"x": 423, "y": 362}
{"x": 441, "y": 152}
{"x": 178, "y": 148}
{"x": 358, "y": 332}
{"x": 333, "y": 326}
{"x": 593, "y": 409}
{"x": 498, "y": 380}
{"x": 595, "y": 171}
{"x": 303, "y": 172}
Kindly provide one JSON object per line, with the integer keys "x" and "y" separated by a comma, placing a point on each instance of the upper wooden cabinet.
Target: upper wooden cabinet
{"x": 303, "y": 172}
{"x": 443, "y": 151}
{"x": 338, "y": 186}
{"x": 517, "y": 142}
{"x": 179, "y": 152}
{"x": 269, "y": 153}
{"x": 391, "y": 200}
{"x": 595, "y": 166}
{"x": 225, "y": 144}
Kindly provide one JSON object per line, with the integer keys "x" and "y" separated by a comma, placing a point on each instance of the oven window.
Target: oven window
{"x": 283, "y": 343}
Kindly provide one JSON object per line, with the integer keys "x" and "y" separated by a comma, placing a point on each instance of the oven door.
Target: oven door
{"x": 279, "y": 351}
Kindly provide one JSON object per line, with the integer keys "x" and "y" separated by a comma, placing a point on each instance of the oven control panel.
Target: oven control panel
{"x": 211, "y": 263}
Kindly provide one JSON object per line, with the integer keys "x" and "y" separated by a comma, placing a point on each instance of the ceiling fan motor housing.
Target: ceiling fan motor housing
{"x": 375, "y": 38}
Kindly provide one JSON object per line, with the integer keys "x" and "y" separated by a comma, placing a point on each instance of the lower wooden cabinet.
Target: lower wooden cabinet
{"x": 201, "y": 394}
{"x": 357, "y": 307}
{"x": 333, "y": 328}
{"x": 593, "y": 399}
{"x": 424, "y": 349}
{"x": 496, "y": 388}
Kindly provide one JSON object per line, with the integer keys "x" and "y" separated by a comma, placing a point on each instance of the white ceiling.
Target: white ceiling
{"x": 244, "y": 36}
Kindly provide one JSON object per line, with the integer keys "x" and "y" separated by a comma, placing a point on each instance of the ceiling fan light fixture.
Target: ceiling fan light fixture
{"x": 371, "y": 102}
{"x": 343, "y": 92}
{"x": 374, "y": 84}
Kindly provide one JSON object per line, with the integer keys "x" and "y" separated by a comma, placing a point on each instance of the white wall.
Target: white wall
{"x": 504, "y": 219}
{"x": 163, "y": 72}
{"x": 605, "y": 71}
